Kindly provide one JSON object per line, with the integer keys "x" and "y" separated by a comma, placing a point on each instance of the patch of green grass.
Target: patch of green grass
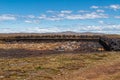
{"x": 95, "y": 57}
{"x": 72, "y": 66}
{"x": 48, "y": 70}
{"x": 39, "y": 68}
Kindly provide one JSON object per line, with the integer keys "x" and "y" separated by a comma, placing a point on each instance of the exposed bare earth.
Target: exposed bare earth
{"x": 35, "y": 61}
{"x": 66, "y": 46}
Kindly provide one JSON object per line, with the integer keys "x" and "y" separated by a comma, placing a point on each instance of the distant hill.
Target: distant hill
{"x": 78, "y": 33}
{"x": 52, "y": 33}
{"x": 74, "y": 33}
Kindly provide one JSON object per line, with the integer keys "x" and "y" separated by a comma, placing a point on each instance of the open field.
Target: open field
{"x": 69, "y": 66}
{"x": 58, "y": 60}
{"x": 59, "y": 39}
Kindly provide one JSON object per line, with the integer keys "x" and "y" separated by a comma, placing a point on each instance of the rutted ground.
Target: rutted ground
{"x": 95, "y": 66}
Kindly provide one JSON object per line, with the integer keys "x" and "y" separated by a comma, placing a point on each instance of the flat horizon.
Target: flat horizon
{"x": 52, "y": 16}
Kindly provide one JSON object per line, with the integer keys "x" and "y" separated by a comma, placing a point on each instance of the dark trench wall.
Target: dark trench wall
{"x": 59, "y": 45}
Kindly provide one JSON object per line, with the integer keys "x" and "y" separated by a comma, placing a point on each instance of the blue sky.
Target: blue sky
{"x": 40, "y": 16}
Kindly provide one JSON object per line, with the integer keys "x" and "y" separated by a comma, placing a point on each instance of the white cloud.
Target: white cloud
{"x": 112, "y": 6}
{"x": 29, "y": 30}
{"x": 54, "y": 18}
{"x": 90, "y": 28}
{"x": 27, "y": 21}
{"x": 99, "y": 10}
{"x": 32, "y": 21}
{"x": 5, "y": 17}
{"x": 101, "y": 22}
{"x": 82, "y": 11}
{"x": 78, "y": 28}
{"x": 50, "y": 11}
{"x": 43, "y": 16}
{"x": 115, "y": 6}
{"x": 66, "y": 11}
{"x": 93, "y": 28}
{"x": 118, "y": 17}
{"x": 94, "y": 7}
{"x": 92, "y": 15}
{"x": 63, "y": 16}
{"x": 31, "y": 16}
{"x": 102, "y": 29}
{"x": 42, "y": 30}
{"x": 62, "y": 11}
{"x": 113, "y": 28}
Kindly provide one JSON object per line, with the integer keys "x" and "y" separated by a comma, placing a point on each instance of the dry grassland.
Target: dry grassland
{"x": 79, "y": 66}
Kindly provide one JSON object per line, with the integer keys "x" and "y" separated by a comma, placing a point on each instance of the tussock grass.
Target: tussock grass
{"x": 62, "y": 67}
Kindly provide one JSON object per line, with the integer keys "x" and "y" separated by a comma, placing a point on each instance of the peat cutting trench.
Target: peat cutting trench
{"x": 64, "y": 43}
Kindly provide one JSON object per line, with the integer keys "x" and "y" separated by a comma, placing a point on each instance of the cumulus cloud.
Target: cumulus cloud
{"x": 28, "y": 21}
{"x": 51, "y": 18}
{"x": 6, "y": 17}
{"x": 42, "y": 30}
{"x": 115, "y": 6}
{"x": 114, "y": 28}
{"x": 102, "y": 29}
{"x": 89, "y": 28}
{"x": 60, "y": 28}
{"x": 50, "y": 11}
{"x": 54, "y": 18}
{"x": 112, "y": 6}
{"x": 118, "y": 17}
{"x": 82, "y": 11}
{"x": 101, "y": 22}
{"x": 68, "y": 15}
{"x": 32, "y": 21}
{"x": 30, "y": 30}
{"x": 63, "y": 16}
{"x": 99, "y": 10}
{"x": 92, "y": 15}
{"x": 66, "y": 11}
{"x": 31, "y": 16}
{"x": 43, "y": 16}
{"x": 93, "y": 28}
{"x": 62, "y": 11}
{"x": 94, "y": 7}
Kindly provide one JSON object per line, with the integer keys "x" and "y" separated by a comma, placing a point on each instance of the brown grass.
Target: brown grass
{"x": 95, "y": 66}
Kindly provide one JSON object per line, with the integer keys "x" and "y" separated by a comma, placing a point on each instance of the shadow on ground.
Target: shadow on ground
{"x": 21, "y": 53}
